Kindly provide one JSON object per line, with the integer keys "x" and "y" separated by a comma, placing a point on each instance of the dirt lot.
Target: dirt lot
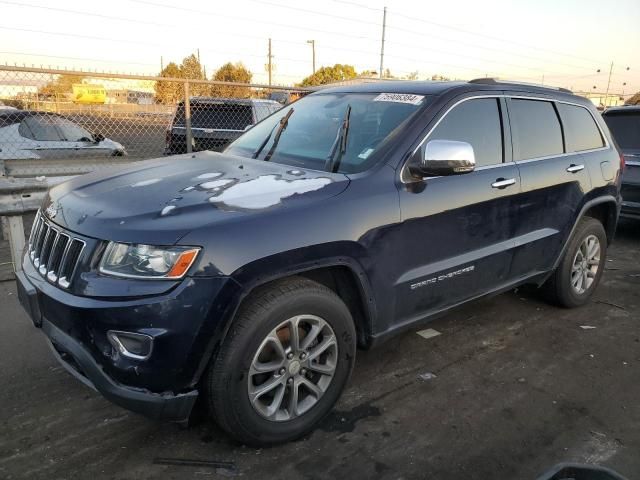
{"x": 519, "y": 387}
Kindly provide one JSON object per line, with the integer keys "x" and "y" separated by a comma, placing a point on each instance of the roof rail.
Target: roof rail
{"x": 495, "y": 81}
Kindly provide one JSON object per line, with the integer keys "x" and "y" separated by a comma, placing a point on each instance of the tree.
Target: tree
{"x": 232, "y": 72}
{"x": 634, "y": 100}
{"x": 387, "y": 74}
{"x": 191, "y": 69}
{"x": 412, "y": 76}
{"x": 324, "y": 75}
{"x": 169, "y": 92}
{"x": 439, "y": 78}
{"x": 62, "y": 85}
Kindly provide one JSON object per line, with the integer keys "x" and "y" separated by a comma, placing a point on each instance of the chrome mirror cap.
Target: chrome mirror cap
{"x": 448, "y": 157}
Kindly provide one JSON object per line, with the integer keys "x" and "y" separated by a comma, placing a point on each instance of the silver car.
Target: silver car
{"x": 27, "y": 134}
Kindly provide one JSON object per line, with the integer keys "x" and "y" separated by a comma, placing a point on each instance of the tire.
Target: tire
{"x": 560, "y": 288}
{"x": 251, "y": 339}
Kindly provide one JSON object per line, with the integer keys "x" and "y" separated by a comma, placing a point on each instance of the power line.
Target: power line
{"x": 245, "y": 19}
{"x": 77, "y": 58}
{"x": 139, "y": 42}
{"x": 469, "y": 32}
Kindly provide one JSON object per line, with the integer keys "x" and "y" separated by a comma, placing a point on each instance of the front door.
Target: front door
{"x": 456, "y": 237}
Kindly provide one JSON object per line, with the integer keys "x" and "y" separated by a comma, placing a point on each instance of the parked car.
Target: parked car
{"x": 215, "y": 122}
{"x": 6, "y": 108}
{"x": 31, "y": 134}
{"x": 624, "y": 123}
{"x": 249, "y": 277}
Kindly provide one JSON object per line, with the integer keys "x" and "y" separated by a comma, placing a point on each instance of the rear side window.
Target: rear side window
{"x": 536, "y": 129}
{"x": 476, "y": 122}
{"x": 580, "y": 129}
{"x": 625, "y": 127}
{"x": 40, "y": 127}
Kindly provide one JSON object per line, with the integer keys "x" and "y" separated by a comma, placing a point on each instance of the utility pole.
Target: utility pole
{"x": 606, "y": 95}
{"x": 313, "y": 53}
{"x": 269, "y": 65}
{"x": 384, "y": 28}
{"x": 161, "y": 64}
{"x": 201, "y": 67}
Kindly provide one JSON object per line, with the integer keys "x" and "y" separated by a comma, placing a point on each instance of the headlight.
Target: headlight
{"x": 147, "y": 261}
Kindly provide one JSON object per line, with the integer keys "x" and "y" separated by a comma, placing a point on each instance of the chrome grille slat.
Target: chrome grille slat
{"x": 52, "y": 233}
{"x": 44, "y": 231}
{"x": 54, "y": 252}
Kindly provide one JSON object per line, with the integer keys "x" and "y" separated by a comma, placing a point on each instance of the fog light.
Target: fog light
{"x": 132, "y": 345}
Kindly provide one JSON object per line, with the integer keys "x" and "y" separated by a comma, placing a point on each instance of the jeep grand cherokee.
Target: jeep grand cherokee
{"x": 249, "y": 277}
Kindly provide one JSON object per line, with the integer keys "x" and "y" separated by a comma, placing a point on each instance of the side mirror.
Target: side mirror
{"x": 98, "y": 137}
{"x": 443, "y": 157}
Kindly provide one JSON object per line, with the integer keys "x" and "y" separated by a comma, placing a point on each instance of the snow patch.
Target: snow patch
{"x": 144, "y": 183}
{"x": 210, "y": 175}
{"x": 216, "y": 183}
{"x": 166, "y": 210}
{"x": 266, "y": 191}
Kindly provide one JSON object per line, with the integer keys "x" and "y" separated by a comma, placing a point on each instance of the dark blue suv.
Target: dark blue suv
{"x": 249, "y": 277}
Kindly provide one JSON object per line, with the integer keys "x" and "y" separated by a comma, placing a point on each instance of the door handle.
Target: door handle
{"x": 503, "y": 183}
{"x": 573, "y": 168}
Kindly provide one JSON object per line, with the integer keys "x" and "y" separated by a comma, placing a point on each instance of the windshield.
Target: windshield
{"x": 625, "y": 127}
{"x": 313, "y": 127}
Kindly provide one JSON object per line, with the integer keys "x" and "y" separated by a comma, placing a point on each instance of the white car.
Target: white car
{"x": 26, "y": 134}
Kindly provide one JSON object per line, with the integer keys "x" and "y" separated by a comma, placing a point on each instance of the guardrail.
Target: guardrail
{"x": 17, "y": 198}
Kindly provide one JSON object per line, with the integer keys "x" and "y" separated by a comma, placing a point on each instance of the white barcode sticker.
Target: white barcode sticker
{"x": 400, "y": 98}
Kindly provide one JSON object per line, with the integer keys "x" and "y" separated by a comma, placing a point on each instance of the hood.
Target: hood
{"x": 159, "y": 201}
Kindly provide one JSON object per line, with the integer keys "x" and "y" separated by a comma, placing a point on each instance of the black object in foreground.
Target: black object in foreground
{"x": 575, "y": 471}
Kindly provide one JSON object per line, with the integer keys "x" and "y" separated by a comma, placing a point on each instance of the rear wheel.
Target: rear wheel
{"x": 284, "y": 364}
{"x": 581, "y": 267}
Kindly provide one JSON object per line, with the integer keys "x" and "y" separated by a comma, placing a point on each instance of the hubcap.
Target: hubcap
{"x": 585, "y": 264}
{"x": 292, "y": 368}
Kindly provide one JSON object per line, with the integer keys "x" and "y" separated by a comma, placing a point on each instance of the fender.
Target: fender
{"x": 263, "y": 271}
{"x": 585, "y": 207}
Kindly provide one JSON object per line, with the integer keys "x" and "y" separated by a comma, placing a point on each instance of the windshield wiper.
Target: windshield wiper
{"x": 278, "y": 129}
{"x": 339, "y": 144}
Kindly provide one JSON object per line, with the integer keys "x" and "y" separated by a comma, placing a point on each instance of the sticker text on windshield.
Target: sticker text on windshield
{"x": 400, "y": 98}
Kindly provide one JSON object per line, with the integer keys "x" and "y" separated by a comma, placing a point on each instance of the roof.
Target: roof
{"x": 623, "y": 109}
{"x": 437, "y": 88}
{"x": 398, "y": 86}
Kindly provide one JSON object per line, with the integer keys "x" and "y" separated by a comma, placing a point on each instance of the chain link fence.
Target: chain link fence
{"x": 57, "y": 122}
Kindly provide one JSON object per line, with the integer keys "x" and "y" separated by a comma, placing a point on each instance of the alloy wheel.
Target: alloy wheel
{"x": 585, "y": 264}
{"x": 292, "y": 368}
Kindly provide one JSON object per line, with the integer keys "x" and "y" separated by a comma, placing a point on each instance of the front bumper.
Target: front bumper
{"x": 162, "y": 387}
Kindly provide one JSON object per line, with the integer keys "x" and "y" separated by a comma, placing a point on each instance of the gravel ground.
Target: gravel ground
{"x": 516, "y": 387}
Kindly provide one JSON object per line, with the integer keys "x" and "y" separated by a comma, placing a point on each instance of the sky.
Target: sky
{"x": 555, "y": 42}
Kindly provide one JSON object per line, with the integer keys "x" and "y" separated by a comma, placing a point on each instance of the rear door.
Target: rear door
{"x": 455, "y": 241}
{"x": 554, "y": 182}
{"x": 625, "y": 127}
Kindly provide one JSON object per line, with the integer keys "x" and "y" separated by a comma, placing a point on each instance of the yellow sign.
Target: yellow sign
{"x": 87, "y": 93}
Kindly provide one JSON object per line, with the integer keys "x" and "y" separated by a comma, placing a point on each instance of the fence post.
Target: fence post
{"x": 16, "y": 241}
{"x": 187, "y": 117}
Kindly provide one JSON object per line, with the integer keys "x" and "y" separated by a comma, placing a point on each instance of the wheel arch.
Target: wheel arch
{"x": 341, "y": 274}
{"x": 605, "y": 209}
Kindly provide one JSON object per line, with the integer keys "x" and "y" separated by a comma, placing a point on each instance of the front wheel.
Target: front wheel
{"x": 284, "y": 363}
{"x": 581, "y": 267}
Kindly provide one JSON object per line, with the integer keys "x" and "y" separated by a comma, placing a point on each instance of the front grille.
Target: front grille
{"x": 54, "y": 252}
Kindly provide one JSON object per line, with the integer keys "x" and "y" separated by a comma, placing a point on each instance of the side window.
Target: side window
{"x": 41, "y": 128}
{"x": 72, "y": 132}
{"x": 476, "y": 122}
{"x": 536, "y": 129}
{"x": 580, "y": 129}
